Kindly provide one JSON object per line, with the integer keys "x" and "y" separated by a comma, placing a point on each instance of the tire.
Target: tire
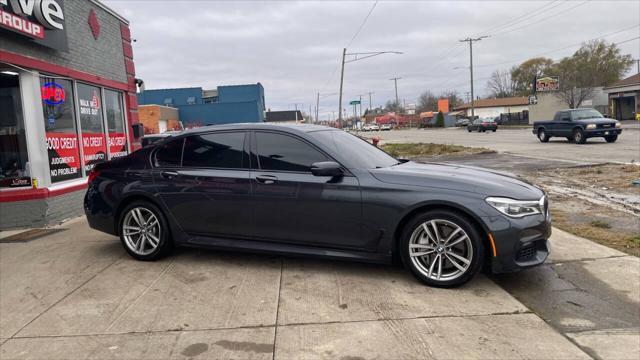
{"x": 611, "y": 138}
{"x": 578, "y": 136}
{"x": 569, "y": 139}
{"x": 156, "y": 242}
{"x": 427, "y": 268}
{"x": 469, "y": 129}
{"x": 542, "y": 135}
{"x": 494, "y": 130}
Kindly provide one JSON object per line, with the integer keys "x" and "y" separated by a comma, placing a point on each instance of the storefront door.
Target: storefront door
{"x": 13, "y": 146}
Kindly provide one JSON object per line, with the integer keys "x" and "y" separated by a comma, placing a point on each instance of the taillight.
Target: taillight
{"x": 93, "y": 174}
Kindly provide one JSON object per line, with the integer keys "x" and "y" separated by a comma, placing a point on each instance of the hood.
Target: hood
{"x": 597, "y": 121}
{"x": 458, "y": 177}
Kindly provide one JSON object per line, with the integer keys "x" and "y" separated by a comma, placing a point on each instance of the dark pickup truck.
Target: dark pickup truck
{"x": 578, "y": 125}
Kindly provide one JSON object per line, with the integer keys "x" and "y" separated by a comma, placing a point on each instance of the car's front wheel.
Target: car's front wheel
{"x": 578, "y": 136}
{"x": 611, "y": 138}
{"x": 144, "y": 232}
{"x": 442, "y": 248}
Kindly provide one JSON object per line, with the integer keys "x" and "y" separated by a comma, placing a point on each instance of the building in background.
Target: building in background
{"x": 67, "y": 102}
{"x": 287, "y": 116}
{"x": 158, "y": 119}
{"x": 492, "y": 108}
{"x": 624, "y": 98}
{"x": 546, "y": 104}
{"x": 223, "y": 105}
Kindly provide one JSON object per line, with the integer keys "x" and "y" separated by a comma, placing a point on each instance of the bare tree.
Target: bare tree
{"x": 500, "y": 84}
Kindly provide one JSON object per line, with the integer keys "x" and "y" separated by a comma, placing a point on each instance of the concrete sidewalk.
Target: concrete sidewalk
{"x": 77, "y": 294}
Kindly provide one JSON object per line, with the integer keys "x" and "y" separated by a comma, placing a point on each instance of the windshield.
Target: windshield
{"x": 586, "y": 114}
{"x": 356, "y": 152}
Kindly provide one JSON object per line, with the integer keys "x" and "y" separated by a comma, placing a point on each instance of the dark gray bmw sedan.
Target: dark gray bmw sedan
{"x": 317, "y": 191}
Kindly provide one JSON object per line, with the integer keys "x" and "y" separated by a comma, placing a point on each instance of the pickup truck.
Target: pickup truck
{"x": 578, "y": 125}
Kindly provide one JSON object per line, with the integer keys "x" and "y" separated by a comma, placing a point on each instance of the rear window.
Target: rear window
{"x": 220, "y": 150}
{"x": 169, "y": 154}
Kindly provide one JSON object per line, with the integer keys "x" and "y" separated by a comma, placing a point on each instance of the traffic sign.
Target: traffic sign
{"x": 354, "y": 102}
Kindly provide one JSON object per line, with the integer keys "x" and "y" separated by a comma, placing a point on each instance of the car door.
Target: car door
{"x": 207, "y": 190}
{"x": 291, "y": 205}
{"x": 564, "y": 125}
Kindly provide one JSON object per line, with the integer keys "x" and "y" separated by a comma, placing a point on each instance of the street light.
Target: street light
{"x": 318, "y": 101}
{"x": 363, "y": 55}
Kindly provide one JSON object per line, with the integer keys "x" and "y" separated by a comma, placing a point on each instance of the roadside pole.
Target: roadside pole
{"x": 344, "y": 52}
{"x": 317, "y": 106}
{"x": 470, "y": 41}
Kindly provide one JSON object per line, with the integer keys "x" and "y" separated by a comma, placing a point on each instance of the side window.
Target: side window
{"x": 169, "y": 154}
{"x": 565, "y": 116}
{"x": 221, "y": 150}
{"x": 285, "y": 153}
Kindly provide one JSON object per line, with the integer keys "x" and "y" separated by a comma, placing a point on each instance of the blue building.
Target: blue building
{"x": 224, "y": 105}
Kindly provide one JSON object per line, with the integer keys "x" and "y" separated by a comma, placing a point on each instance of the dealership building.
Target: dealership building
{"x": 67, "y": 102}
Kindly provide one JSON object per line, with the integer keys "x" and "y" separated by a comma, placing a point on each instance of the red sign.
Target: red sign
{"x": 64, "y": 159}
{"x": 94, "y": 149}
{"x": 117, "y": 144}
{"x": 52, "y": 93}
{"x": 21, "y": 25}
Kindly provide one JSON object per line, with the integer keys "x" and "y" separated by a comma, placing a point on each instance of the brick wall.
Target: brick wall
{"x": 85, "y": 53}
{"x": 41, "y": 212}
{"x": 150, "y": 115}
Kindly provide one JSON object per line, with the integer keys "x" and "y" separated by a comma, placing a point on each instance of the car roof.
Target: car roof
{"x": 301, "y": 128}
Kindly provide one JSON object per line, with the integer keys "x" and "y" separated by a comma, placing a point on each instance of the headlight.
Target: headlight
{"x": 591, "y": 126}
{"x": 517, "y": 208}
{"x": 618, "y": 124}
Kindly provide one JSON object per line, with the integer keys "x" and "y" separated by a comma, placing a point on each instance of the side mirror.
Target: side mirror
{"x": 326, "y": 168}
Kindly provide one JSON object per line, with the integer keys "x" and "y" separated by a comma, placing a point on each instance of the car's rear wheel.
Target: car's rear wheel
{"x": 494, "y": 130}
{"x": 578, "y": 136}
{"x": 442, "y": 248}
{"x": 469, "y": 129}
{"x": 542, "y": 136}
{"x": 144, "y": 232}
{"x": 611, "y": 138}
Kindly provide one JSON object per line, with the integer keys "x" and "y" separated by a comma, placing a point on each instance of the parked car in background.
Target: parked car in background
{"x": 578, "y": 125}
{"x": 370, "y": 127}
{"x": 482, "y": 125}
{"x": 316, "y": 191}
{"x": 462, "y": 122}
{"x": 385, "y": 127}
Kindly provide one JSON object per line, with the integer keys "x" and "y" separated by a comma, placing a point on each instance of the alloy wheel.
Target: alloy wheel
{"x": 440, "y": 250}
{"x": 141, "y": 231}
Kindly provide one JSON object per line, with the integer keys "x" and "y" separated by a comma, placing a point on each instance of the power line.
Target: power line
{"x": 537, "y": 22}
{"x": 563, "y": 48}
{"x": 363, "y": 23}
{"x": 351, "y": 41}
{"x": 512, "y": 21}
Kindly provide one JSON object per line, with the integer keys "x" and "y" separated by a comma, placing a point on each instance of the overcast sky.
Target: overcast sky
{"x": 294, "y": 48}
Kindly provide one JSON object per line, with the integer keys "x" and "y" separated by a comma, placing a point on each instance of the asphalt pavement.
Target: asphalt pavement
{"x": 520, "y": 141}
{"x": 75, "y": 293}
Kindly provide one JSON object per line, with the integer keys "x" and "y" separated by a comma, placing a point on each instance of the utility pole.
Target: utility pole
{"x": 395, "y": 80}
{"x": 344, "y": 53}
{"x": 310, "y": 118}
{"x": 360, "y": 105}
{"x": 638, "y": 62}
{"x": 357, "y": 57}
{"x": 471, "y": 41}
{"x": 317, "y": 106}
{"x": 370, "y": 108}
{"x": 296, "y": 112}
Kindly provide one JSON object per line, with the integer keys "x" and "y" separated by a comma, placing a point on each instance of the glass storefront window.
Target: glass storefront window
{"x": 61, "y": 130}
{"x": 115, "y": 123}
{"x": 13, "y": 145}
{"x": 94, "y": 147}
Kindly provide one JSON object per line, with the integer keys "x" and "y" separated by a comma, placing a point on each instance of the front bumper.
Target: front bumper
{"x": 600, "y": 132}
{"x": 520, "y": 243}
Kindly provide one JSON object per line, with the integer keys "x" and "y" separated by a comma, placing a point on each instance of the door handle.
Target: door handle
{"x": 169, "y": 174}
{"x": 266, "y": 179}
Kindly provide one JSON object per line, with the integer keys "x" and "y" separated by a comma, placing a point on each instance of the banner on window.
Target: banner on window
{"x": 64, "y": 162}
